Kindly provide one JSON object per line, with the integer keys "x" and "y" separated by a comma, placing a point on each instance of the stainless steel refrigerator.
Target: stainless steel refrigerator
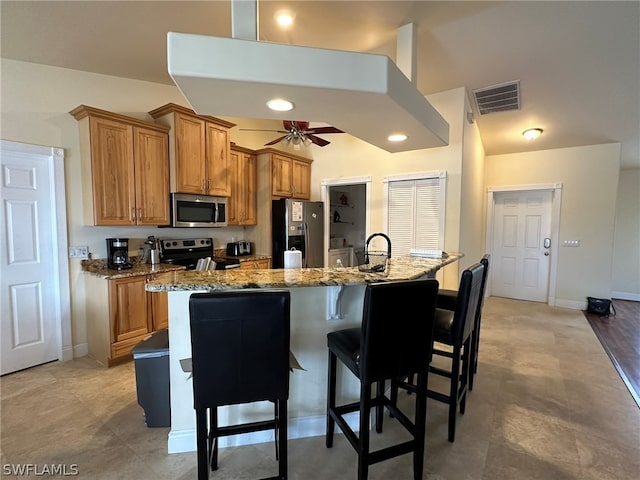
{"x": 297, "y": 224}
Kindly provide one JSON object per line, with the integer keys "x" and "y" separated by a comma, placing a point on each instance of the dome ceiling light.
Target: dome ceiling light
{"x": 532, "y": 133}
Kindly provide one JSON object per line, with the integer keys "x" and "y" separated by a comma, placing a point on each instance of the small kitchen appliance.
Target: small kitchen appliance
{"x": 187, "y": 252}
{"x": 239, "y": 248}
{"x": 118, "y": 253}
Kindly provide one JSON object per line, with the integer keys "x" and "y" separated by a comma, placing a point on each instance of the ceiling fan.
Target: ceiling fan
{"x": 298, "y": 133}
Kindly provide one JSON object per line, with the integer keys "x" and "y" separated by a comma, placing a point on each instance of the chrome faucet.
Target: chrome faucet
{"x": 366, "y": 245}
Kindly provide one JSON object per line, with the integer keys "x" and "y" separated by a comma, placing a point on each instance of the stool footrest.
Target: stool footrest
{"x": 244, "y": 428}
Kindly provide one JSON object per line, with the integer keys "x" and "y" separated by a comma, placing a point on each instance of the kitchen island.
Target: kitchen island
{"x": 322, "y": 300}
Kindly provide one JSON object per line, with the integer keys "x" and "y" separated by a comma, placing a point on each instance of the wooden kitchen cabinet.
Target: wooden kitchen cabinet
{"x": 125, "y": 169}
{"x": 120, "y": 314}
{"x": 198, "y": 151}
{"x": 242, "y": 204}
{"x": 255, "y": 264}
{"x": 289, "y": 175}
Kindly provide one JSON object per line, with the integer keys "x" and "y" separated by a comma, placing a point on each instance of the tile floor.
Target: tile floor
{"x": 547, "y": 404}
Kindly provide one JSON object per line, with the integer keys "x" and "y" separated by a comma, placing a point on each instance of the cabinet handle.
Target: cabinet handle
{"x": 132, "y": 217}
{"x": 139, "y": 213}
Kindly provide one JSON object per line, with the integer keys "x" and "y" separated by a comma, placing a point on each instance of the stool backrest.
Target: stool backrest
{"x": 467, "y": 304}
{"x": 397, "y": 328}
{"x": 240, "y": 346}
{"x": 484, "y": 261}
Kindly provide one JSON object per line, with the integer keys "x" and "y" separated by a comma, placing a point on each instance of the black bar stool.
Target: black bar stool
{"x": 453, "y": 328}
{"x": 394, "y": 341}
{"x": 240, "y": 352}
{"x": 447, "y": 300}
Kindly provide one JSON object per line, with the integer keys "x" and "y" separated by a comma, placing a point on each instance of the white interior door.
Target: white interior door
{"x": 29, "y": 296}
{"x": 521, "y": 257}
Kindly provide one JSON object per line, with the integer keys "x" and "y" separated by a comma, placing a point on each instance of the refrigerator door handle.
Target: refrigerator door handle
{"x": 306, "y": 246}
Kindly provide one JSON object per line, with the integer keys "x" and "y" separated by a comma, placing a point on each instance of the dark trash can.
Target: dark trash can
{"x": 151, "y": 357}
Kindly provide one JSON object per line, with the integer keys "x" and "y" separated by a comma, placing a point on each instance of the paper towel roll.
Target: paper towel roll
{"x": 292, "y": 259}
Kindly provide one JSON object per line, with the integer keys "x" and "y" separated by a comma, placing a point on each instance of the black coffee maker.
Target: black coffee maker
{"x": 118, "y": 253}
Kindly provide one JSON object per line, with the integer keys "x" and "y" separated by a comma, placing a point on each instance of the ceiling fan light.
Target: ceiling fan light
{"x": 532, "y": 133}
{"x": 397, "y": 137}
{"x": 280, "y": 105}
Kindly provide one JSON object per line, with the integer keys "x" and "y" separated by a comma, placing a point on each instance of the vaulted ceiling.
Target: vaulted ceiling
{"x": 578, "y": 62}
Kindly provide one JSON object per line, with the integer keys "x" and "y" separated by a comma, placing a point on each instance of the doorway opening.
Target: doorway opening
{"x": 347, "y": 220}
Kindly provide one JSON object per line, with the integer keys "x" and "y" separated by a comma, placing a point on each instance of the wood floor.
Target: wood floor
{"x": 620, "y": 337}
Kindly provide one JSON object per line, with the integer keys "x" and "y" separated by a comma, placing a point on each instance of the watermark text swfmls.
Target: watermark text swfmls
{"x": 35, "y": 469}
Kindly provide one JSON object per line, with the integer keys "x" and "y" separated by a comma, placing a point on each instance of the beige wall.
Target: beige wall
{"x": 589, "y": 178}
{"x": 626, "y": 245}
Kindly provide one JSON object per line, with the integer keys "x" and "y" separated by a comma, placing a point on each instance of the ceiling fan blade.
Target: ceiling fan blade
{"x": 321, "y": 142}
{"x": 300, "y": 125}
{"x": 273, "y": 142}
{"x": 324, "y": 130}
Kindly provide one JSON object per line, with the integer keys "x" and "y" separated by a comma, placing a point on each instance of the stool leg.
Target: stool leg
{"x": 474, "y": 356}
{"x": 201, "y": 441}
{"x": 453, "y": 392}
{"x": 331, "y": 399}
{"x": 213, "y": 438}
{"x": 363, "y": 438}
{"x": 282, "y": 434}
{"x": 466, "y": 373}
{"x": 419, "y": 425}
{"x": 277, "y": 423}
{"x": 379, "y": 406}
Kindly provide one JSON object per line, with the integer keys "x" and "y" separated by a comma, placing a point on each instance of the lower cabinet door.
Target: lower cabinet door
{"x": 129, "y": 309}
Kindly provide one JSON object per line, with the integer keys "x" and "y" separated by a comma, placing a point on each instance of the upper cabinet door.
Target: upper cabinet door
{"x": 280, "y": 176}
{"x": 152, "y": 176}
{"x": 300, "y": 179}
{"x": 217, "y": 159}
{"x": 190, "y": 169}
{"x": 112, "y": 170}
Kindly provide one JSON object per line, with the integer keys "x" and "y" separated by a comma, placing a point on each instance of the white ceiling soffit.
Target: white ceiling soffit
{"x": 365, "y": 95}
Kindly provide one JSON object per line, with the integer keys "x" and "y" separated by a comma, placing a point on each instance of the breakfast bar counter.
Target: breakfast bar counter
{"x": 322, "y": 300}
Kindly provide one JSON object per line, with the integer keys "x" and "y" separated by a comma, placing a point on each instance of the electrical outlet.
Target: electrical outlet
{"x": 571, "y": 243}
{"x": 79, "y": 251}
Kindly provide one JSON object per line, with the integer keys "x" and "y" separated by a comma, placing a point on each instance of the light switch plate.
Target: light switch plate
{"x": 571, "y": 243}
{"x": 79, "y": 251}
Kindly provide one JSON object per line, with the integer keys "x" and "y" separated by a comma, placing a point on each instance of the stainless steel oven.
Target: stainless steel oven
{"x": 198, "y": 210}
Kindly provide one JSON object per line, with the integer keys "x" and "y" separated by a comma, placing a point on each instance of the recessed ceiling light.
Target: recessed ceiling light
{"x": 280, "y": 105}
{"x": 532, "y": 133}
{"x": 397, "y": 137}
{"x": 284, "y": 17}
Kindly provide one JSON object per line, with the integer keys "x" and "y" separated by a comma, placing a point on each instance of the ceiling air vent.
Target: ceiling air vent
{"x": 498, "y": 98}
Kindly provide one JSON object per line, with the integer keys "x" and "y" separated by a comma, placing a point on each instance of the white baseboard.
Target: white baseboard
{"x": 573, "y": 304}
{"x": 81, "y": 350}
{"x": 67, "y": 354}
{"x": 185, "y": 440}
{"x": 635, "y": 297}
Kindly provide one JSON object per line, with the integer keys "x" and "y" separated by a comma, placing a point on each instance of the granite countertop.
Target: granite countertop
{"x": 248, "y": 258}
{"x": 99, "y": 268}
{"x": 398, "y": 268}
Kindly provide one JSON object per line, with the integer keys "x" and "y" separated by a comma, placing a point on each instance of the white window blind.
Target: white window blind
{"x": 416, "y": 212}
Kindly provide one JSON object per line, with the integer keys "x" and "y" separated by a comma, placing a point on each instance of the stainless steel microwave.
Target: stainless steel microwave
{"x": 198, "y": 210}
